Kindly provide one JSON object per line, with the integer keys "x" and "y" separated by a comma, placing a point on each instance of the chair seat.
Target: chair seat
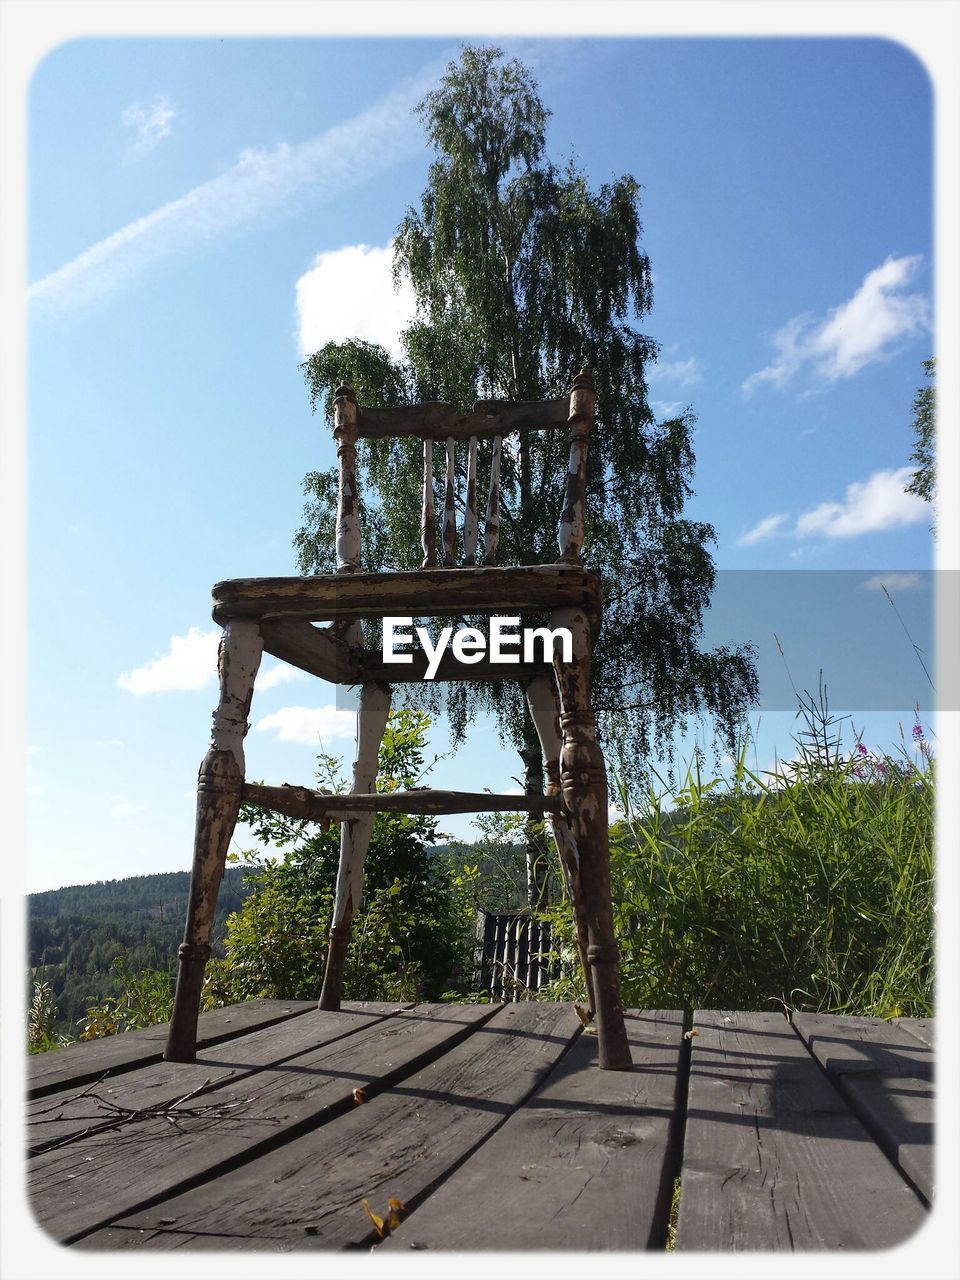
{"x": 418, "y": 593}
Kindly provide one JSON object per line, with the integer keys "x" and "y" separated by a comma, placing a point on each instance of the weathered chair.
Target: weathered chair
{"x": 277, "y": 614}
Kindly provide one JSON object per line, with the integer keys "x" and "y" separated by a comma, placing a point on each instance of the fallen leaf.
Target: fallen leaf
{"x": 374, "y": 1218}
{"x": 395, "y": 1208}
{"x": 359, "y": 1095}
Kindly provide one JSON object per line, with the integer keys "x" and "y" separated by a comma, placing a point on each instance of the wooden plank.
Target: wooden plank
{"x": 312, "y": 649}
{"x": 922, "y": 1029}
{"x": 307, "y": 1194}
{"x": 585, "y": 1163}
{"x": 302, "y": 802}
{"x": 886, "y": 1076}
{"x": 88, "y": 1184}
{"x": 773, "y": 1157}
{"x": 79, "y": 1064}
{"x": 60, "y": 1117}
{"x": 435, "y": 420}
{"x": 420, "y": 592}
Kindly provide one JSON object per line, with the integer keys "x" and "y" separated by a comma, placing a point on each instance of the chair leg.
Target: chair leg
{"x": 219, "y": 788}
{"x": 584, "y": 782}
{"x": 545, "y": 709}
{"x": 355, "y": 839}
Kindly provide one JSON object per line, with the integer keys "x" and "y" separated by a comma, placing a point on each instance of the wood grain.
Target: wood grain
{"x": 585, "y": 1163}
{"x": 61, "y": 1116}
{"x": 886, "y": 1076}
{"x": 301, "y": 802}
{"x": 90, "y": 1183}
{"x": 417, "y": 592}
{"x": 79, "y": 1064}
{"x": 307, "y": 1194}
{"x": 435, "y": 420}
{"x": 773, "y": 1157}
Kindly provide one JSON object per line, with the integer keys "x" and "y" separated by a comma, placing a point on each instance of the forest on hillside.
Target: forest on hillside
{"x": 76, "y": 933}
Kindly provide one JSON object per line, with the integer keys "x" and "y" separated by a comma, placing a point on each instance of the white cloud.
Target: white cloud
{"x": 665, "y": 409}
{"x": 152, "y": 123}
{"x": 280, "y": 674}
{"x": 869, "y": 326}
{"x": 768, "y": 526}
{"x": 261, "y": 182}
{"x": 310, "y": 725}
{"x": 126, "y": 809}
{"x": 349, "y": 293}
{"x": 32, "y": 751}
{"x": 895, "y": 582}
{"x": 683, "y": 372}
{"x": 109, "y": 742}
{"x": 189, "y": 663}
{"x": 869, "y": 506}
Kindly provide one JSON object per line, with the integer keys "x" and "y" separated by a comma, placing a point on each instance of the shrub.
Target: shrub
{"x": 811, "y": 887}
{"x": 412, "y": 936}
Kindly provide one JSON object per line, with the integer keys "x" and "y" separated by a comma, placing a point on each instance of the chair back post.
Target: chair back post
{"x": 345, "y": 428}
{"x": 583, "y": 399}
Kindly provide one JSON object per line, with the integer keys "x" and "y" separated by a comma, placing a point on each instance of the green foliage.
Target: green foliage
{"x": 41, "y": 1020}
{"x": 144, "y": 999}
{"x": 924, "y": 480}
{"x": 412, "y": 935}
{"x": 522, "y": 274}
{"x": 811, "y": 887}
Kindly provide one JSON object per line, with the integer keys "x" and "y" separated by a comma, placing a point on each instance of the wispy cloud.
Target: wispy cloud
{"x": 126, "y": 809}
{"x": 895, "y": 582}
{"x": 766, "y": 528}
{"x": 281, "y": 674}
{"x": 869, "y": 506}
{"x": 309, "y": 725}
{"x": 349, "y": 293}
{"x": 189, "y": 663}
{"x": 151, "y": 123}
{"x": 667, "y": 408}
{"x": 110, "y": 742}
{"x": 870, "y": 326}
{"x": 260, "y": 183}
{"x": 683, "y": 373}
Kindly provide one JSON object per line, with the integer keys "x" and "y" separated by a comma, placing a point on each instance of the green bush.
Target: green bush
{"x": 811, "y": 887}
{"x": 412, "y": 937}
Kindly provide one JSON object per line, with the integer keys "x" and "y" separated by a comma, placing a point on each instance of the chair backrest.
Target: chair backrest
{"x": 488, "y": 420}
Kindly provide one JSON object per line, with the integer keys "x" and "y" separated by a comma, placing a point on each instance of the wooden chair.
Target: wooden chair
{"x": 277, "y": 615}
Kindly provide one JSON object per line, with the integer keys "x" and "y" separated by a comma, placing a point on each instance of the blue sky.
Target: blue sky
{"x": 204, "y": 212}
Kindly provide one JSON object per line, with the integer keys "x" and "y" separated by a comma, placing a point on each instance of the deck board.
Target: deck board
{"x": 886, "y": 1075}
{"x": 89, "y": 1183}
{"x": 78, "y": 1064}
{"x": 494, "y": 1128}
{"x": 64, "y": 1116}
{"x": 308, "y": 1193}
{"x": 773, "y": 1157}
{"x": 585, "y": 1163}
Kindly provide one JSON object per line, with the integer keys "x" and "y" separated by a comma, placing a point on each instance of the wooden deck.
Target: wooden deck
{"x": 493, "y": 1129}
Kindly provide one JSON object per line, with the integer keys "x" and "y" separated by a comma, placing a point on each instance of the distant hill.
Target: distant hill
{"x": 75, "y": 933}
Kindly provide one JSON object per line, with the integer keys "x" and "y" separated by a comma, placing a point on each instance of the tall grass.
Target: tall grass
{"x": 810, "y": 886}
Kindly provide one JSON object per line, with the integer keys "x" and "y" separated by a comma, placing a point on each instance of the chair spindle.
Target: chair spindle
{"x": 449, "y": 508}
{"x": 583, "y": 398}
{"x": 428, "y": 524}
{"x": 491, "y": 528}
{"x": 345, "y": 428}
{"x": 470, "y": 518}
